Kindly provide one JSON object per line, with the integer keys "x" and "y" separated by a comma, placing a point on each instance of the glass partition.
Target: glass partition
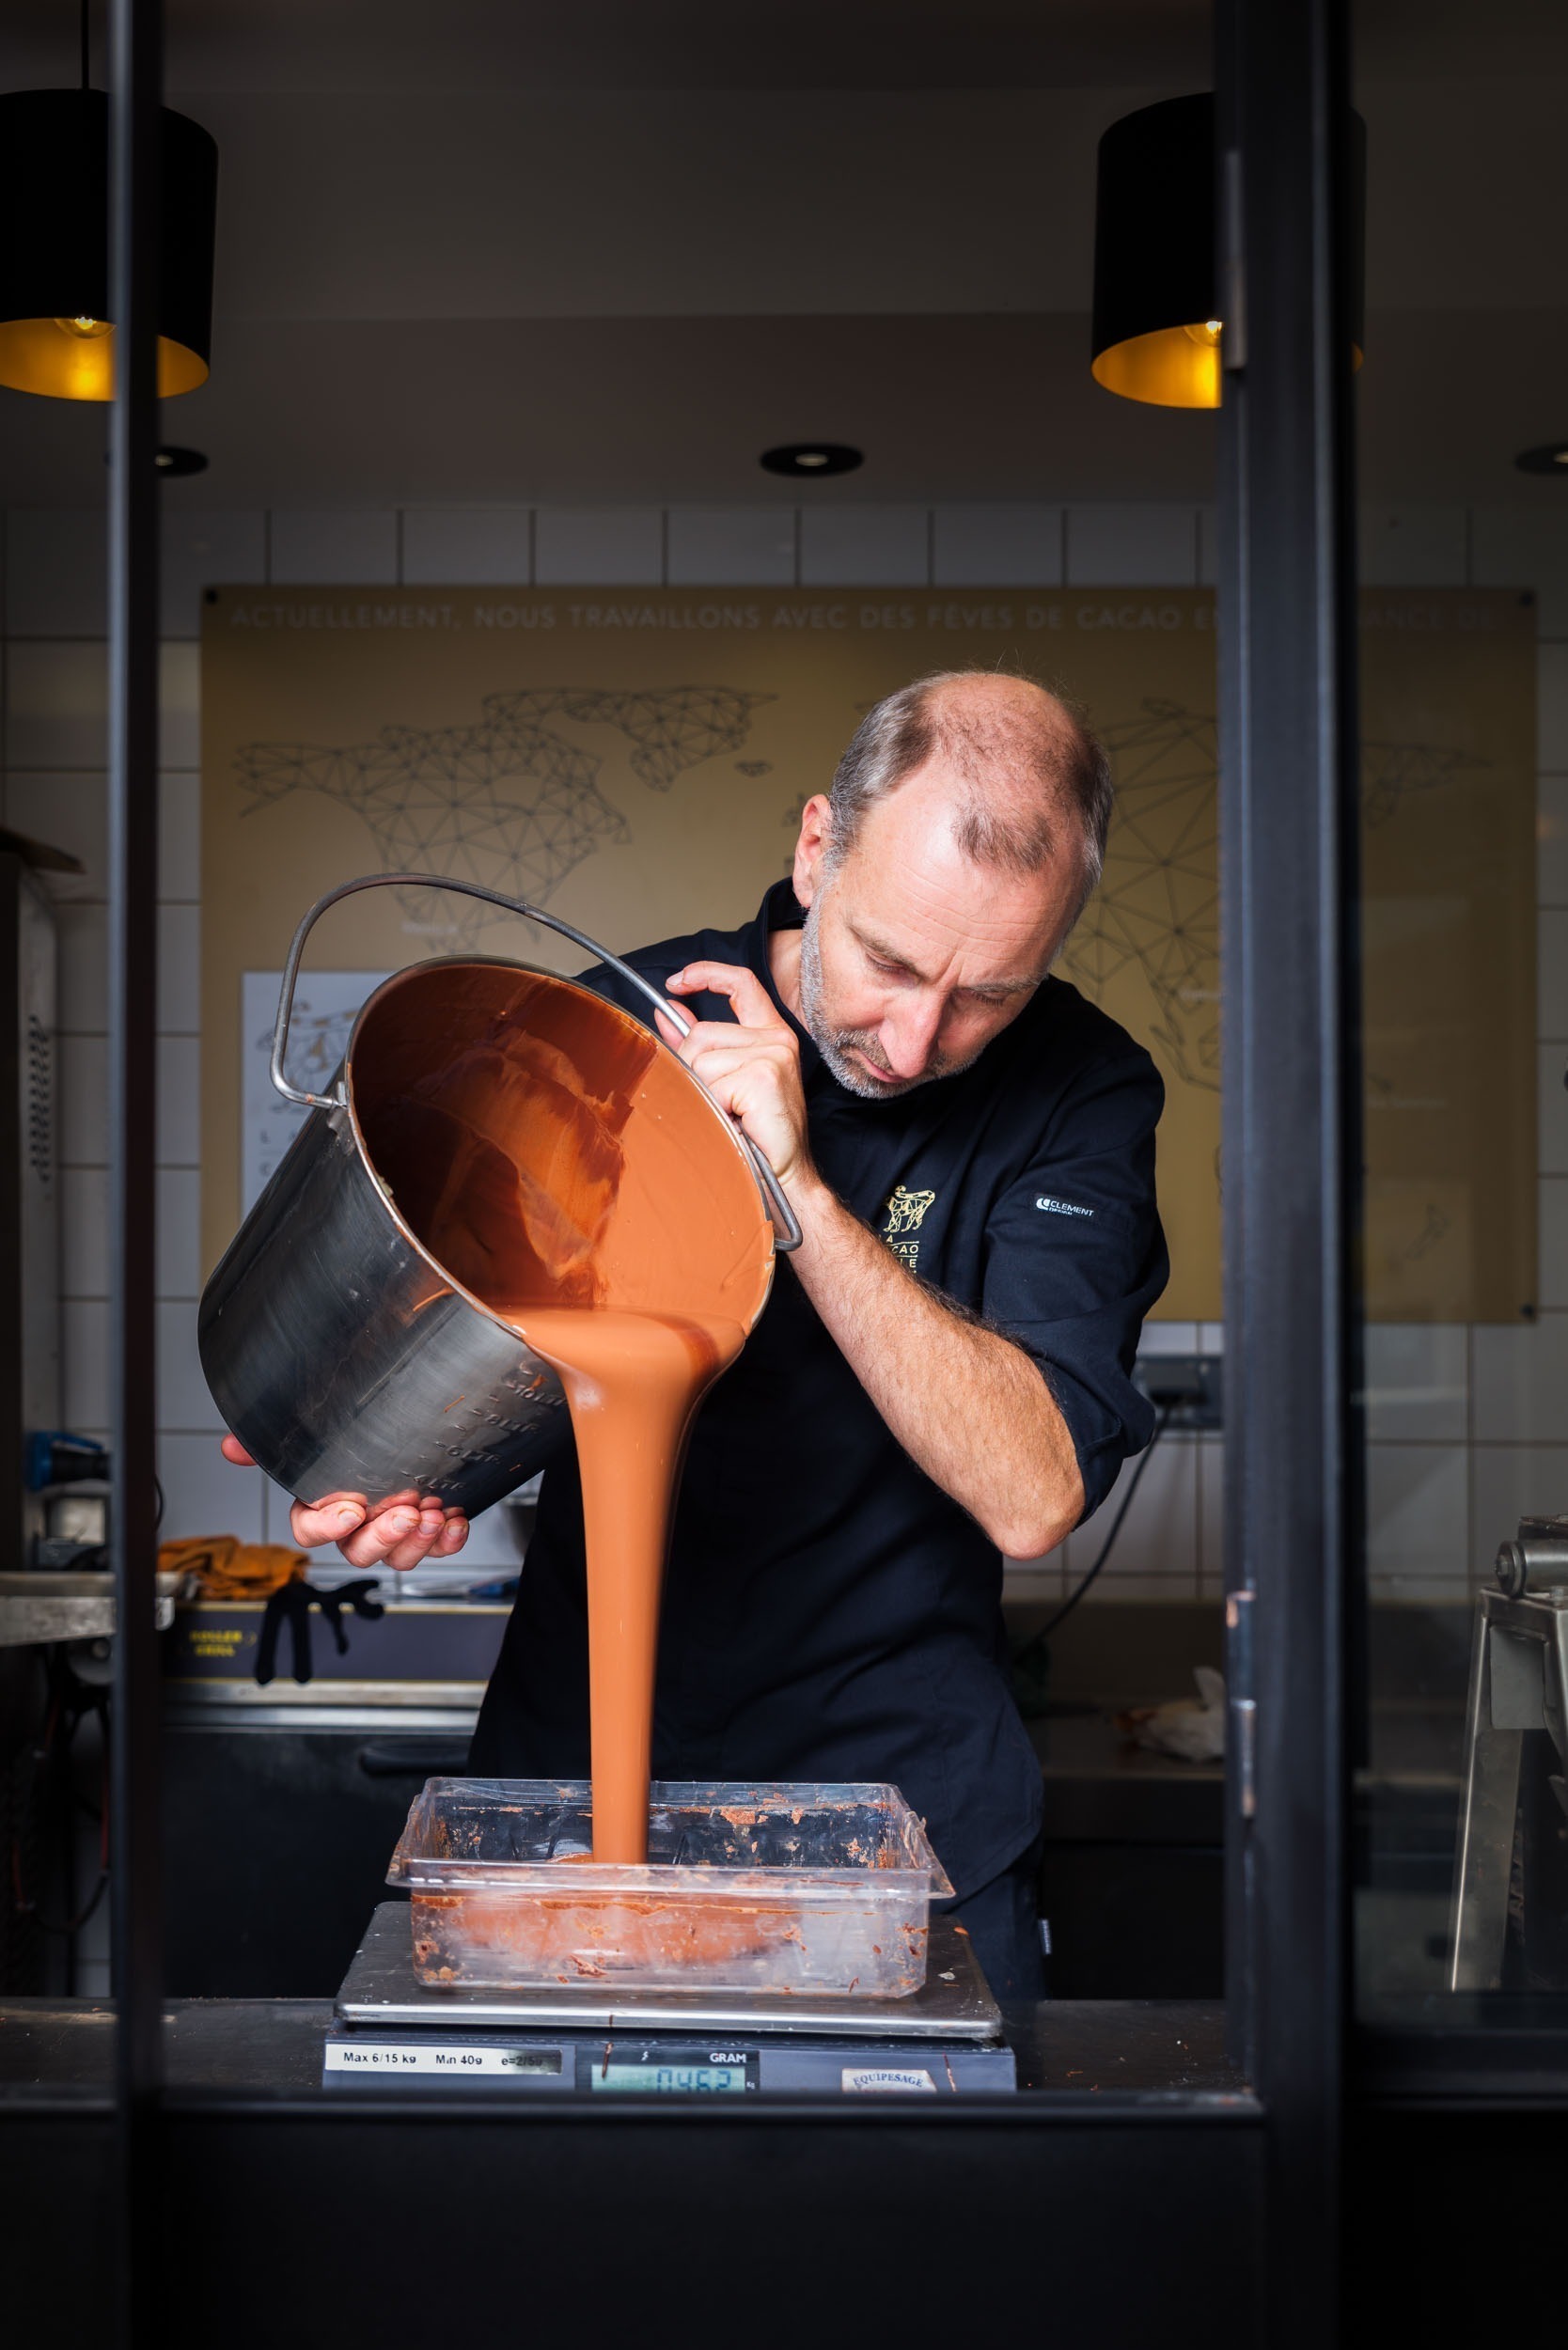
{"x": 1461, "y": 1896}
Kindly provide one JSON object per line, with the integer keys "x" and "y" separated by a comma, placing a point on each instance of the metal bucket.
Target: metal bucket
{"x": 482, "y": 1102}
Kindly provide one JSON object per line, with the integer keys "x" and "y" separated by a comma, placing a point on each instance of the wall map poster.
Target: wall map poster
{"x": 636, "y": 760}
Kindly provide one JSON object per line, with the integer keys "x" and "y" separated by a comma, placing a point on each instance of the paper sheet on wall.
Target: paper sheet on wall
{"x": 325, "y": 1003}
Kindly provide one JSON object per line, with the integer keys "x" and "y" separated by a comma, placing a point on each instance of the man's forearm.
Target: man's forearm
{"x": 968, "y": 1407}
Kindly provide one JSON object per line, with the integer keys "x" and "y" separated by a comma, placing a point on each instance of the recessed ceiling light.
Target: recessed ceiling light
{"x": 812, "y": 458}
{"x": 1553, "y": 457}
{"x": 175, "y": 460}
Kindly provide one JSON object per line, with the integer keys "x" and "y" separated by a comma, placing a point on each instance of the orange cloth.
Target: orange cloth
{"x": 226, "y": 1568}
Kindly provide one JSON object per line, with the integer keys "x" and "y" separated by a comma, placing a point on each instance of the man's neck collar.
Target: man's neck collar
{"x": 784, "y": 947}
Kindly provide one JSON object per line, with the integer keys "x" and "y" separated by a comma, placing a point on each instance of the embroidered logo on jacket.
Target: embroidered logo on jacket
{"x": 1060, "y": 1207}
{"x": 906, "y": 1212}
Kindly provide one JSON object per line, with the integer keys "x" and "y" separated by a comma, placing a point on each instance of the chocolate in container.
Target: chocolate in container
{"x": 488, "y": 1102}
{"x": 821, "y": 1887}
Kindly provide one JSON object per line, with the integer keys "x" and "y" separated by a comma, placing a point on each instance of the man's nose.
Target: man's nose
{"x": 909, "y": 1040}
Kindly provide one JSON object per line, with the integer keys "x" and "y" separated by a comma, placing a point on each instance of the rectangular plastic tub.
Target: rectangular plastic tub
{"x": 819, "y": 1888}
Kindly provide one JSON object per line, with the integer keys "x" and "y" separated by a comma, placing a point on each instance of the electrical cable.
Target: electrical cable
{"x": 1073, "y": 1598}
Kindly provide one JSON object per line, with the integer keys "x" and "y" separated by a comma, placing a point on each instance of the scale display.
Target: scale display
{"x": 710, "y": 2079}
{"x": 668, "y": 2072}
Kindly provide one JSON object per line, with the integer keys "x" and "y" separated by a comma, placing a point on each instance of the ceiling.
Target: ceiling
{"x": 607, "y": 249}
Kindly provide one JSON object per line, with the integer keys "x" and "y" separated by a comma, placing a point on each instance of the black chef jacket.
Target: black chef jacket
{"x": 828, "y": 1612}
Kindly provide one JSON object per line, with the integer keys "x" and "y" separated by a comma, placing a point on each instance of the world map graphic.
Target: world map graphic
{"x": 1157, "y": 907}
{"x": 513, "y": 802}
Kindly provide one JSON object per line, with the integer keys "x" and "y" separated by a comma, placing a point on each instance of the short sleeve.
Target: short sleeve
{"x": 1074, "y": 1257}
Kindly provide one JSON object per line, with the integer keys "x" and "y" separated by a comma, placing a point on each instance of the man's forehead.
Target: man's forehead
{"x": 996, "y": 937}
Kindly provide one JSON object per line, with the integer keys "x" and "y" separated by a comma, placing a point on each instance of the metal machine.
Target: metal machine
{"x": 1510, "y": 1885}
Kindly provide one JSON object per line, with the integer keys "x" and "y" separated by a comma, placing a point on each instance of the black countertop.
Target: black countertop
{"x": 272, "y": 2048}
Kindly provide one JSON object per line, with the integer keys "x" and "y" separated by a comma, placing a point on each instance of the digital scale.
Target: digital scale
{"x": 388, "y": 2029}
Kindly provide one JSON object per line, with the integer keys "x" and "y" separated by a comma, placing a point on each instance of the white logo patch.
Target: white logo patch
{"x": 1060, "y": 1207}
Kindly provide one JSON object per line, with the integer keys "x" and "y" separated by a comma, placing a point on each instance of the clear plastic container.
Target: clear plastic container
{"x": 819, "y": 1888}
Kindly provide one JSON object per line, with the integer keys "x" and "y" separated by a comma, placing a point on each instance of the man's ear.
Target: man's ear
{"x": 816, "y": 832}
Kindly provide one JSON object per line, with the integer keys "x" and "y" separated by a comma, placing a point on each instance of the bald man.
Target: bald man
{"x": 942, "y": 1376}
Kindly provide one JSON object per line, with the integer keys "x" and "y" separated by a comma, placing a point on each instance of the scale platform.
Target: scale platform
{"x": 946, "y": 2037}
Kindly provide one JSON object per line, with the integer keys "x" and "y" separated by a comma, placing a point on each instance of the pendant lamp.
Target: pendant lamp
{"x": 1158, "y": 328}
{"x": 55, "y": 334}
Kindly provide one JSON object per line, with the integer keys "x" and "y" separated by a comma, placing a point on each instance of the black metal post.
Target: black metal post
{"x": 137, "y": 68}
{"x": 1288, "y": 761}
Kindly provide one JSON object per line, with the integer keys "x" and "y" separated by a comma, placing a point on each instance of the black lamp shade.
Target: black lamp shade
{"x": 1158, "y": 328}
{"x": 55, "y": 333}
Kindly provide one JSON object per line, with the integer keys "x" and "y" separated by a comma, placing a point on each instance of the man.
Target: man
{"x": 942, "y": 1376}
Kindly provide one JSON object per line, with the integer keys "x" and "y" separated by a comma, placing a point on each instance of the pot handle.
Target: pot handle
{"x": 786, "y": 1231}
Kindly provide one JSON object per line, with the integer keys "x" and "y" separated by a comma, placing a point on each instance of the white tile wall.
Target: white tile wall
{"x": 1159, "y": 1536}
{"x": 179, "y": 1101}
{"x": 203, "y": 550}
{"x": 1552, "y": 1109}
{"x": 183, "y": 1401}
{"x": 1211, "y": 1516}
{"x": 1418, "y": 1510}
{"x": 1552, "y": 1277}
{"x": 179, "y": 706}
{"x": 83, "y": 986}
{"x": 599, "y": 546}
{"x": 1417, "y": 1381}
{"x": 1519, "y": 1382}
{"x": 1414, "y": 546}
{"x": 84, "y": 1078}
{"x": 350, "y": 547}
{"x": 85, "y": 1238}
{"x": 83, "y": 968}
{"x": 84, "y": 1235}
{"x": 1131, "y": 546}
{"x": 482, "y": 545}
{"x": 56, "y": 705}
{"x": 1551, "y": 841}
{"x": 57, "y": 572}
{"x": 1551, "y": 974}
{"x": 1526, "y": 547}
{"x": 1552, "y": 717}
{"x": 180, "y": 1231}
{"x": 179, "y": 839}
{"x": 84, "y": 1093}
{"x": 864, "y": 546}
{"x": 996, "y": 546}
{"x": 204, "y": 1493}
{"x": 84, "y": 1362}
{"x": 722, "y": 546}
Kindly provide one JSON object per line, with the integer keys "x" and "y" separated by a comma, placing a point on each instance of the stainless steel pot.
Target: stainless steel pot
{"x": 339, "y": 1348}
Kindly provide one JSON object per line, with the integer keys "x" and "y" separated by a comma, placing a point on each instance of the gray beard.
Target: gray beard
{"x": 835, "y": 1045}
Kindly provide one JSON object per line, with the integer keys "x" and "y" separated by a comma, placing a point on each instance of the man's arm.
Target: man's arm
{"x": 970, "y": 1408}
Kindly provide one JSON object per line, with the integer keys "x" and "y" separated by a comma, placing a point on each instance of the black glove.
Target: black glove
{"x": 291, "y": 1603}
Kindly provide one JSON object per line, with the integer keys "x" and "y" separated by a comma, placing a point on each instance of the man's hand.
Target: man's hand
{"x": 751, "y": 1068}
{"x": 399, "y": 1533}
